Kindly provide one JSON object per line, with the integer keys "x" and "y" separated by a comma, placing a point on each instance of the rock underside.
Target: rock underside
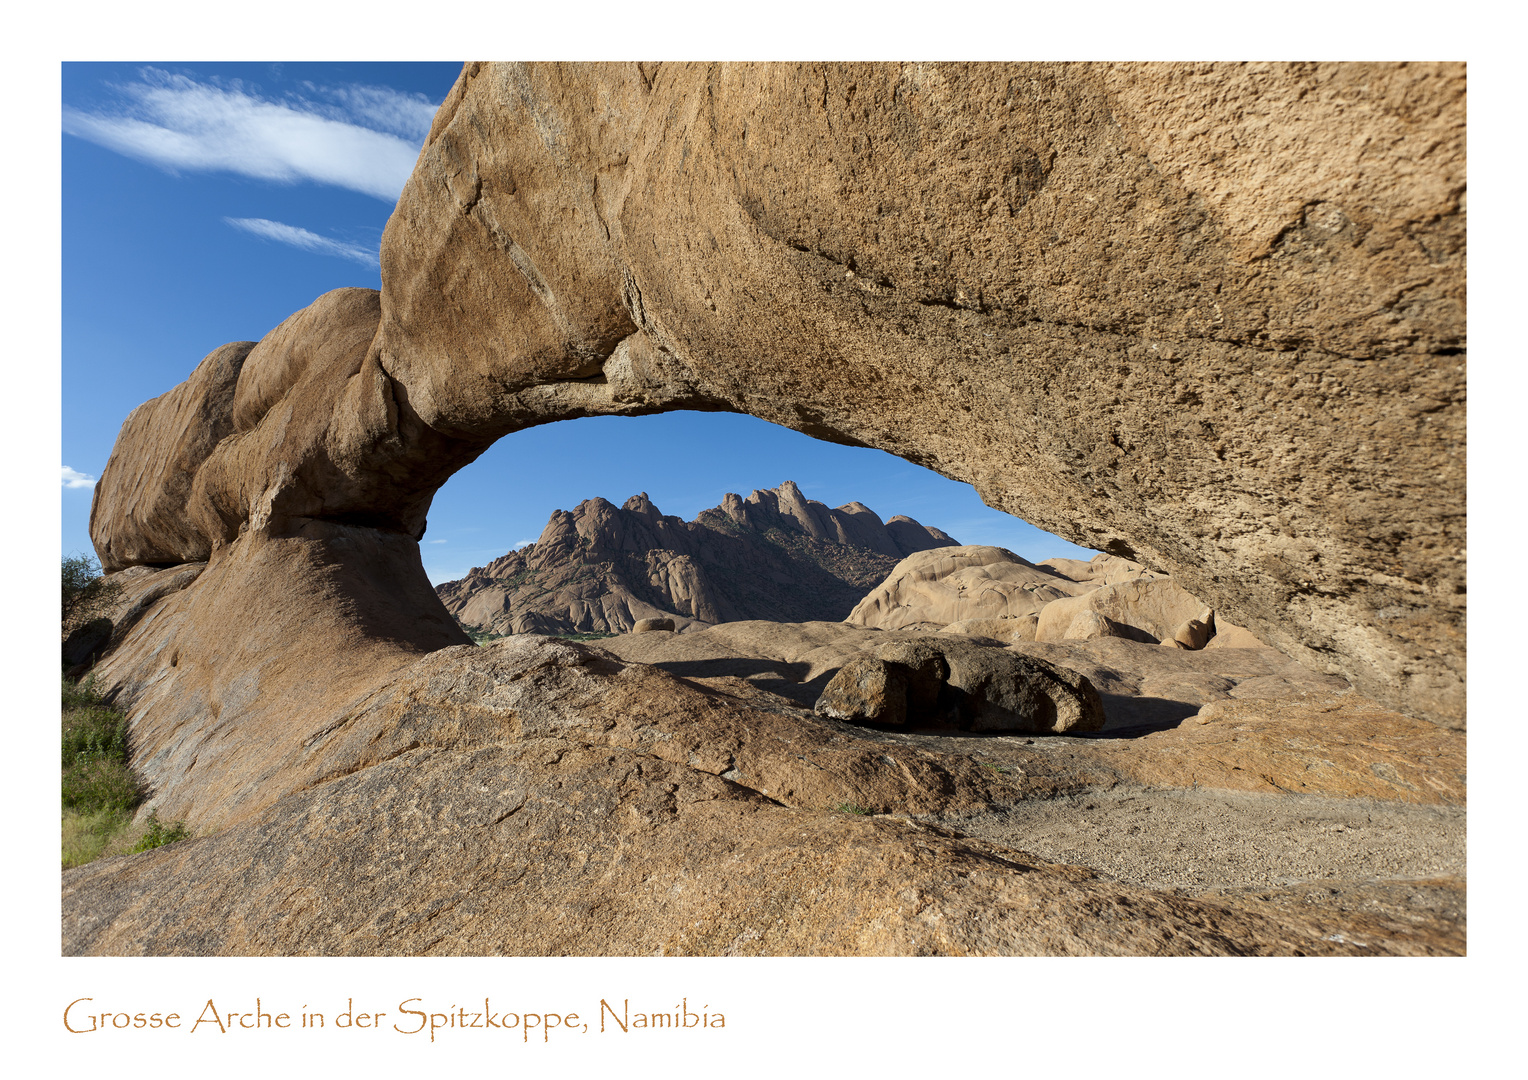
{"x": 1209, "y": 318}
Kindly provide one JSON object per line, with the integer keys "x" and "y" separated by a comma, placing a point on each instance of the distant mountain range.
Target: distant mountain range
{"x": 775, "y": 555}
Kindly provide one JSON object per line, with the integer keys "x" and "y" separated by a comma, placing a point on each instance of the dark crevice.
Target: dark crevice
{"x": 363, "y": 519}
{"x": 953, "y": 305}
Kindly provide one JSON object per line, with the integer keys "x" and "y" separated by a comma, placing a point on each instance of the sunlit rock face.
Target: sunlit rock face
{"x": 1207, "y": 317}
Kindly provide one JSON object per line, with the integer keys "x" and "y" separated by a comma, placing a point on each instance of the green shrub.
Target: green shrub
{"x": 94, "y": 731}
{"x": 86, "y": 594}
{"x": 159, "y": 834}
{"x": 80, "y": 694}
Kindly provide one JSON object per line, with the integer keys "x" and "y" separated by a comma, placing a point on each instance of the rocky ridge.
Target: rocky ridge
{"x": 775, "y": 555}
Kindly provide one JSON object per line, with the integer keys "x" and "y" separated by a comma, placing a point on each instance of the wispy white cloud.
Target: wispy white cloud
{"x": 74, "y": 479}
{"x": 434, "y": 541}
{"x": 302, "y": 238}
{"x": 379, "y": 108}
{"x": 518, "y": 544}
{"x": 364, "y": 138}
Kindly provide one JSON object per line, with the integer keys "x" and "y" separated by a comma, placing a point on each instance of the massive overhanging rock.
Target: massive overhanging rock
{"x": 1209, "y": 317}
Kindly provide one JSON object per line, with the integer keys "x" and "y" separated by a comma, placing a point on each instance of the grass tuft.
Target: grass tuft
{"x": 850, "y": 808}
{"x": 88, "y": 837}
{"x": 96, "y": 784}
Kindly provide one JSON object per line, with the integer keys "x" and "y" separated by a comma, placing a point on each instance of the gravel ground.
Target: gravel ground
{"x": 1196, "y": 840}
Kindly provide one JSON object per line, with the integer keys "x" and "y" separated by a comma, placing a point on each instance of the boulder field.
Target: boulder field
{"x": 1209, "y": 318}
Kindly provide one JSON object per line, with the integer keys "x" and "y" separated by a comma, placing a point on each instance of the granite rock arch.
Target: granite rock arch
{"x": 1207, "y": 316}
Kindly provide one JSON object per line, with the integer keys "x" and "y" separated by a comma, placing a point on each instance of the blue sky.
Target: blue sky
{"x": 204, "y": 203}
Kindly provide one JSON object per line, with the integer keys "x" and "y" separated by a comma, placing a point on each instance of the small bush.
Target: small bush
{"x": 159, "y": 834}
{"x": 86, "y": 594}
{"x": 94, "y": 731}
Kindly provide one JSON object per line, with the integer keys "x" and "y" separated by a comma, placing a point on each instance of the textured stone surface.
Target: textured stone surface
{"x": 990, "y": 591}
{"x": 1157, "y": 607}
{"x": 963, "y": 685}
{"x": 537, "y": 853}
{"x": 955, "y": 584}
{"x": 867, "y": 690}
{"x": 1141, "y": 685}
{"x": 1330, "y": 745}
{"x": 139, "y": 514}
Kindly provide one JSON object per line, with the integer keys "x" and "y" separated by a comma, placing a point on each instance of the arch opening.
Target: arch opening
{"x": 687, "y": 462}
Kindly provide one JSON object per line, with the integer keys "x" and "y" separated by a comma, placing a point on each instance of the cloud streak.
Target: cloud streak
{"x": 74, "y": 479}
{"x": 362, "y": 138}
{"x": 305, "y": 240}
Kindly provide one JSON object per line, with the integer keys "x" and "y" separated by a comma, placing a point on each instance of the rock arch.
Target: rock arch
{"x": 1208, "y": 316}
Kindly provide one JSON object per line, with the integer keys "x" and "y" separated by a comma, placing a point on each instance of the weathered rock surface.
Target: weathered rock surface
{"x": 1146, "y": 686}
{"x": 955, "y": 584}
{"x": 539, "y": 797}
{"x": 542, "y": 797}
{"x": 962, "y": 685}
{"x": 1021, "y": 628}
{"x": 1342, "y": 745}
{"x": 1157, "y": 607}
{"x": 1230, "y": 636}
{"x": 1088, "y": 625}
{"x": 538, "y": 853}
{"x": 990, "y": 591}
{"x": 1141, "y": 685}
{"x": 775, "y": 555}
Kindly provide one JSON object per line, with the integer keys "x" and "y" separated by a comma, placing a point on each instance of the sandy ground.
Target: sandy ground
{"x": 1198, "y": 840}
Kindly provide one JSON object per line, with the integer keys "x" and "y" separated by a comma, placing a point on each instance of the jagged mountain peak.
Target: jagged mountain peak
{"x": 773, "y": 555}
